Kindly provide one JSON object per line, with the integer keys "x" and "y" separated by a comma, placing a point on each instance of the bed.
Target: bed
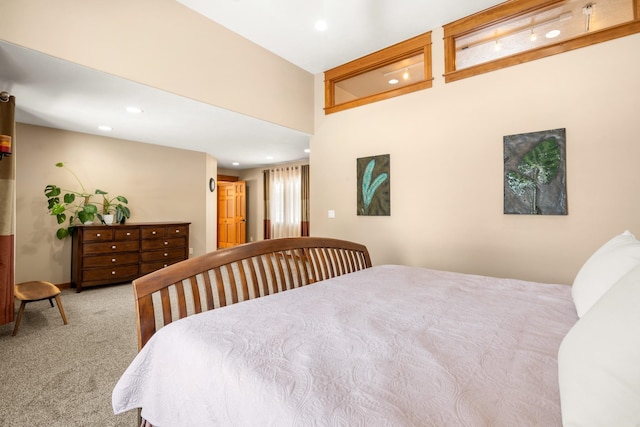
{"x": 388, "y": 345}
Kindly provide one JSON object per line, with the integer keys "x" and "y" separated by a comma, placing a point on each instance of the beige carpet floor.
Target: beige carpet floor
{"x": 56, "y": 375}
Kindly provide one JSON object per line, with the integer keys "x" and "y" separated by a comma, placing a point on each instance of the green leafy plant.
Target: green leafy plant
{"x": 537, "y": 167}
{"x": 75, "y": 206}
{"x": 112, "y": 207}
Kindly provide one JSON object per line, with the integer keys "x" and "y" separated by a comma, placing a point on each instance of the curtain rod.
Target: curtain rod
{"x": 4, "y": 96}
{"x": 283, "y": 168}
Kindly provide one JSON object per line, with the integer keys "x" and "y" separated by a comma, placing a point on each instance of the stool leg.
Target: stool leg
{"x": 15, "y": 328}
{"x": 51, "y": 301}
{"x": 59, "y": 301}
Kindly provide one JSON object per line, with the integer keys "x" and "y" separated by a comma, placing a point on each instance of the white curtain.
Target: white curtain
{"x": 285, "y": 195}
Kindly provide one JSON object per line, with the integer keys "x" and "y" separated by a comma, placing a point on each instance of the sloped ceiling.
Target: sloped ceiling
{"x": 58, "y": 94}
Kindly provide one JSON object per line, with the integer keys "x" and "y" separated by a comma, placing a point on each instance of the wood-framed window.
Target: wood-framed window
{"x": 518, "y": 31}
{"x": 399, "y": 69}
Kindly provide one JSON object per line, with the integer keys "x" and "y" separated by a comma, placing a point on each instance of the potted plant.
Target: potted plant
{"x": 73, "y": 206}
{"x": 111, "y": 209}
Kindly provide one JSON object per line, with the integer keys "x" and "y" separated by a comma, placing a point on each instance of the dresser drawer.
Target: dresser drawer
{"x": 148, "y": 267}
{"x": 161, "y": 232}
{"x": 153, "y": 232}
{"x": 114, "y": 274}
{"x": 116, "y": 259}
{"x": 166, "y": 254}
{"x": 97, "y": 234}
{"x": 177, "y": 230}
{"x": 163, "y": 243}
{"x": 127, "y": 234}
{"x": 111, "y": 247}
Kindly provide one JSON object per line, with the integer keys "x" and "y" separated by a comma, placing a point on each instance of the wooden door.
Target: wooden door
{"x": 240, "y": 219}
{"x": 232, "y": 214}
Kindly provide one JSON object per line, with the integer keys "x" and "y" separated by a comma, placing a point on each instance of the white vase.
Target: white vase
{"x": 108, "y": 219}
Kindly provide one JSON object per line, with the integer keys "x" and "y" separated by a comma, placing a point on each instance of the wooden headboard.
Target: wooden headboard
{"x": 239, "y": 273}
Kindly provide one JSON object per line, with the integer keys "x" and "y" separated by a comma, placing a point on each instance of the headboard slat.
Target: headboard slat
{"x": 195, "y": 290}
{"x": 220, "y": 287}
{"x": 208, "y": 291}
{"x": 166, "y": 305}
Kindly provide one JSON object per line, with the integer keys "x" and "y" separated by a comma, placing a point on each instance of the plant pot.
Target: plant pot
{"x": 108, "y": 219}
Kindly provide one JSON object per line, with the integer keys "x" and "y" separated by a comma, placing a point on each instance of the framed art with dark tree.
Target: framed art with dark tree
{"x": 374, "y": 188}
{"x": 535, "y": 173}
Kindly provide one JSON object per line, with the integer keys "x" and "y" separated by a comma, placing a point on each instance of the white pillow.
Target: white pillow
{"x": 599, "y": 361}
{"x": 604, "y": 268}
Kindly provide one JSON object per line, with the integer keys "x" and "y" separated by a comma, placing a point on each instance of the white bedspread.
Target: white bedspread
{"x": 385, "y": 346}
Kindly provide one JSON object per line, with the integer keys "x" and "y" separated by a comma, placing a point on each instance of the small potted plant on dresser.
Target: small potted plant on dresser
{"x": 74, "y": 207}
{"x": 113, "y": 209}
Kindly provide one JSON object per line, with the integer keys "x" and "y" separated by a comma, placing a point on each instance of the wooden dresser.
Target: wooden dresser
{"x": 106, "y": 254}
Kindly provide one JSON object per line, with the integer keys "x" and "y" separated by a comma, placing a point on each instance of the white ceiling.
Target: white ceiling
{"x": 354, "y": 27}
{"x": 58, "y": 94}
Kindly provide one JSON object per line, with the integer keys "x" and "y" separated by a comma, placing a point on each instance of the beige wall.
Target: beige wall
{"x": 161, "y": 184}
{"x": 446, "y": 147}
{"x": 163, "y": 44}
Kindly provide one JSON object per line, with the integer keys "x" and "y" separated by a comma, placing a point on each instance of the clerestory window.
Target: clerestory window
{"x": 518, "y": 31}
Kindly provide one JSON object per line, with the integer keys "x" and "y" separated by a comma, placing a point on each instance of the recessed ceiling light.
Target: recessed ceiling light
{"x": 105, "y": 128}
{"x": 235, "y": 164}
{"x": 321, "y": 25}
{"x": 269, "y": 157}
{"x": 552, "y": 34}
{"x": 307, "y": 150}
{"x": 134, "y": 110}
{"x": 393, "y": 81}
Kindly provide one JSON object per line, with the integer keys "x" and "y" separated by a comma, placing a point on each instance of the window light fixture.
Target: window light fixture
{"x": 405, "y": 73}
{"x": 588, "y": 11}
{"x": 552, "y": 34}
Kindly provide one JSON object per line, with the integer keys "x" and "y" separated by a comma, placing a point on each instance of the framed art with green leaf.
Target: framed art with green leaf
{"x": 535, "y": 173}
{"x": 374, "y": 188}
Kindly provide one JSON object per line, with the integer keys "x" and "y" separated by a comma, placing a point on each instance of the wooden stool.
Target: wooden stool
{"x": 36, "y": 291}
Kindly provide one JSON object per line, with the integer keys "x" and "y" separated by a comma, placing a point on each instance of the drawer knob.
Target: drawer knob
{"x": 166, "y": 254}
{"x": 166, "y": 243}
{"x": 113, "y": 260}
{"x": 177, "y": 231}
{"x": 153, "y": 232}
{"x": 166, "y": 265}
{"x": 98, "y": 234}
{"x": 113, "y": 272}
{"x": 128, "y": 234}
{"x": 113, "y": 247}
